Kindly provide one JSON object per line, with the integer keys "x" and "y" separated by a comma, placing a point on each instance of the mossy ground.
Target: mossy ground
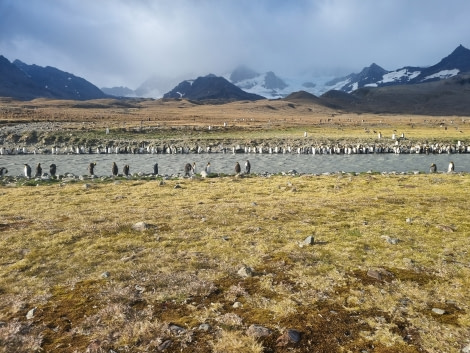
{"x": 352, "y": 290}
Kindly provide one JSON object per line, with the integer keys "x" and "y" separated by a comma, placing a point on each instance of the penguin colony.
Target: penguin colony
{"x": 189, "y": 169}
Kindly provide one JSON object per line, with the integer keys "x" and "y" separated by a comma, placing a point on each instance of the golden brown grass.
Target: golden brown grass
{"x": 184, "y": 120}
{"x": 57, "y": 242}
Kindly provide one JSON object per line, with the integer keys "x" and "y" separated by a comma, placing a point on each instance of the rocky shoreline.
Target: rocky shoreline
{"x": 54, "y": 138}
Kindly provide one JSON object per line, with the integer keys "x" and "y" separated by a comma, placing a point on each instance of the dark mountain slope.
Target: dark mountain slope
{"x": 16, "y": 84}
{"x": 210, "y": 88}
{"x": 60, "y": 84}
{"x": 444, "y": 97}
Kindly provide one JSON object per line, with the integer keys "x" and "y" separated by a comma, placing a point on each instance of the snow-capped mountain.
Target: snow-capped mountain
{"x": 271, "y": 86}
{"x": 375, "y": 76}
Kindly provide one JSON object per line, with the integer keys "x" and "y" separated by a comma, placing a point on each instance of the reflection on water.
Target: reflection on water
{"x": 169, "y": 164}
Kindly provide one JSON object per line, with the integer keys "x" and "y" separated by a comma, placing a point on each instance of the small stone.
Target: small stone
{"x": 258, "y": 331}
{"x": 310, "y": 240}
{"x": 438, "y": 311}
{"x": 140, "y": 226}
{"x": 30, "y": 314}
{"x": 294, "y": 335}
{"x": 289, "y": 336}
{"x": 393, "y": 241}
{"x": 164, "y": 345}
{"x": 176, "y": 329}
{"x": 374, "y": 274}
{"x": 245, "y": 271}
{"x": 204, "y": 327}
{"x": 409, "y": 220}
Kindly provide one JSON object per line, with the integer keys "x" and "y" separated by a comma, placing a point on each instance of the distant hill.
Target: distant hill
{"x": 21, "y": 81}
{"x": 210, "y": 88}
{"x": 302, "y": 96}
{"x": 118, "y": 91}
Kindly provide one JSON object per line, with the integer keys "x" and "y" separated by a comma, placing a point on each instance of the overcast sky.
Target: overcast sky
{"x": 123, "y": 42}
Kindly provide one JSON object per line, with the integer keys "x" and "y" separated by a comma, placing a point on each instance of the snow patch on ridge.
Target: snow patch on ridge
{"x": 398, "y": 75}
{"x": 442, "y": 74}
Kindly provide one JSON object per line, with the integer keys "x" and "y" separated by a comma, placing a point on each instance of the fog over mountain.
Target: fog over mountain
{"x": 118, "y": 43}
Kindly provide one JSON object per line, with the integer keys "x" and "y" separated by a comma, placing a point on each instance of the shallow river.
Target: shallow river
{"x": 169, "y": 164}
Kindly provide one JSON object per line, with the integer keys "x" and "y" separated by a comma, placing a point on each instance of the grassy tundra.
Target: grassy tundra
{"x": 388, "y": 269}
{"x": 387, "y": 250}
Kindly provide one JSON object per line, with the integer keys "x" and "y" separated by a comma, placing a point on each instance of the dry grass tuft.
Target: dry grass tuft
{"x": 98, "y": 284}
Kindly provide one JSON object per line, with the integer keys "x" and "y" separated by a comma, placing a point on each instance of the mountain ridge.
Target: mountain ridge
{"x": 25, "y": 82}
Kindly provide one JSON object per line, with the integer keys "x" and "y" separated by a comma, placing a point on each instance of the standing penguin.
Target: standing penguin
{"x": 114, "y": 169}
{"x": 126, "y": 170}
{"x": 27, "y": 171}
{"x": 188, "y": 169}
{"x": 432, "y": 168}
{"x": 237, "y": 168}
{"x": 91, "y": 168}
{"x": 38, "y": 170}
{"x": 3, "y": 171}
{"x": 155, "y": 169}
{"x": 208, "y": 168}
{"x": 52, "y": 169}
{"x": 247, "y": 166}
{"x": 451, "y": 167}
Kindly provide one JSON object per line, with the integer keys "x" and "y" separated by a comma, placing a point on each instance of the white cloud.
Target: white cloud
{"x": 123, "y": 43}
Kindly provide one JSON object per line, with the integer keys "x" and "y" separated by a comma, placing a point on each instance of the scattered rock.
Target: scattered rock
{"x": 258, "y": 331}
{"x": 30, "y": 314}
{"x": 409, "y": 220}
{"x": 141, "y": 226}
{"x": 379, "y": 274}
{"x": 289, "y": 336}
{"x": 446, "y": 228}
{"x": 393, "y": 241}
{"x": 374, "y": 274}
{"x": 245, "y": 271}
{"x": 310, "y": 240}
{"x": 164, "y": 345}
{"x": 204, "y": 327}
{"x": 438, "y": 311}
{"x": 139, "y": 288}
{"x": 176, "y": 329}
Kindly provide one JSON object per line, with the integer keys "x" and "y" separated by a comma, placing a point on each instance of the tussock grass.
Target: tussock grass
{"x": 96, "y": 283}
